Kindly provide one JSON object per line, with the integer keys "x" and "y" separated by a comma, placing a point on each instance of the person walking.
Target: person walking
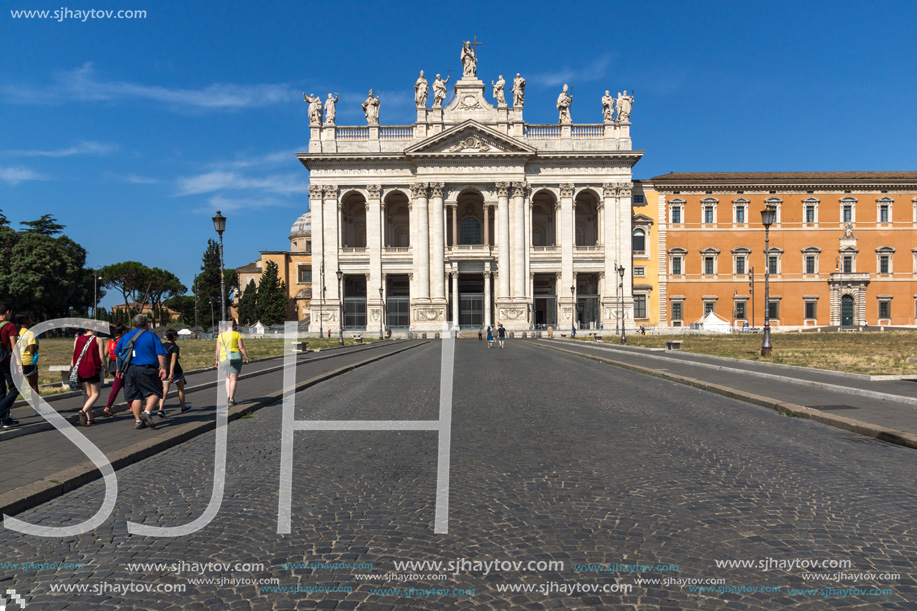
{"x": 231, "y": 348}
{"x": 490, "y": 337}
{"x": 174, "y": 373}
{"x": 142, "y": 381}
{"x": 29, "y": 351}
{"x": 117, "y": 377}
{"x": 8, "y": 391}
{"x": 501, "y": 334}
{"x": 480, "y": 333}
{"x": 87, "y": 358}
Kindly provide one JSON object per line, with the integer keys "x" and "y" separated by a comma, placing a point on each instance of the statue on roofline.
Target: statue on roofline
{"x": 469, "y": 60}
{"x": 371, "y": 109}
{"x": 518, "y": 91}
{"x": 420, "y": 91}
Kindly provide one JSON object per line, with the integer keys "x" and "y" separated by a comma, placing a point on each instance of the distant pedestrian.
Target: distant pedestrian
{"x": 231, "y": 348}
{"x": 87, "y": 358}
{"x": 490, "y": 338}
{"x": 501, "y": 334}
{"x": 329, "y": 333}
{"x": 142, "y": 381}
{"x": 8, "y": 391}
{"x": 480, "y": 333}
{"x": 389, "y": 333}
{"x": 29, "y": 351}
{"x": 117, "y": 381}
{"x": 574, "y": 331}
{"x": 174, "y": 373}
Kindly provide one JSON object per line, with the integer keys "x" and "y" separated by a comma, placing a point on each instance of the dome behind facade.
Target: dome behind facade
{"x": 303, "y": 225}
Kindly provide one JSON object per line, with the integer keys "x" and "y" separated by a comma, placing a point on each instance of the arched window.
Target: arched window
{"x": 470, "y": 231}
{"x": 639, "y": 244}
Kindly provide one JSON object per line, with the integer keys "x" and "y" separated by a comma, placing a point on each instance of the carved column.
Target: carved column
{"x": 503, "y": 243}
{"x": 567, "y": 240}
{"x": 437, "y": 238}
{"x": 318, "y": 255}
{"x": 455, "y": 297}
{"x": 374, "y": 242}
{"x": 331, "y": 215}
{"x": 422, "y": 248}
{"x": 488, "y": 306}
{"x": 454, "y": 206}
{"x": 609, "y": 296}
{"x": 624, "y": 248}
{"x": 518, "y": 260}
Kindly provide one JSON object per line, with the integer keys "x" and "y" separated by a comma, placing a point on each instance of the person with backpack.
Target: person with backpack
{"x": 174, "y": 374}
{"x": 142, "y": 362}
{"x": 87, "y": 359}
{"x": 117, "y": 379}
{"x": 8, "y": 391}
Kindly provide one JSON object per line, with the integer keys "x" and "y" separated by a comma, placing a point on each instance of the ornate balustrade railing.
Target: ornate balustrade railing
{"x": 351, "y": 133}
{"x": 396, "y": 132}
{"x": 542, "y": 131}
{"x": 587, "y": 131}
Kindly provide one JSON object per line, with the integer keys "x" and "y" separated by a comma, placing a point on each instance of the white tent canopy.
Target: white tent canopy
{"x": 715, "y": 323}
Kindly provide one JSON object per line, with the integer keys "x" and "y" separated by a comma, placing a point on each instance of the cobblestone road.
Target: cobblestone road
{"x": 554, "y": 459}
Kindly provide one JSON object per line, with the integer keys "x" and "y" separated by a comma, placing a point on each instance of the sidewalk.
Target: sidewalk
{"x": 42, "y": 464}
{"x": 882, "y": 408}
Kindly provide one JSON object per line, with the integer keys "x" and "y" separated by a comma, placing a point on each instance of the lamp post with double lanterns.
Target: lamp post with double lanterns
{"x": 621, "y": 314}
{"x": 219, "y": 223}
{"x": 340, "y": 307}
{"x": 381, "y": 315}
{"x": 768, "y": 217}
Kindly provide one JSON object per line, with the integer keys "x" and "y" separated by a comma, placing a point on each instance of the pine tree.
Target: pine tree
{"x": 248, "y": 305}
{"x": 207, "y": 287}
{"x": 272, "y": 296}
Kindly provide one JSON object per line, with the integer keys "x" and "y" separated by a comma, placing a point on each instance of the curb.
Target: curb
{"x": 850, "y": 390}
{"x": 875, "y": 431}
{"x": 36, "y": 493}
{"x": 44, "y": 425}
{"x": 855, "y": 376}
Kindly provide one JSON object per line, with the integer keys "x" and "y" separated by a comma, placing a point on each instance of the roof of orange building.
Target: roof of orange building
{"x": 783, "y": 177}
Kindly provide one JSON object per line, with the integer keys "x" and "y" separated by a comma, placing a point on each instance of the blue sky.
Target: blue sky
{"x": 117, "y": 124}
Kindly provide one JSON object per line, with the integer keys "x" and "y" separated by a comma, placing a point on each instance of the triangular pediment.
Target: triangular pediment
{"x": 470, "y": 138}
{"x": 642, "y": 219}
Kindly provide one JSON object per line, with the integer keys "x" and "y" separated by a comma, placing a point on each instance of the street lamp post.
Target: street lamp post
{"x": 219, "y": 223}
{"x": 95, "y": 288}
{"x": 321, "y": 306}
{"x": 381, "y": 314}
{"x": 768, "y": 217}
{"x": 340, "y": 307}
{"x": 621, "y": 315}
{"x": 573, "y": 309}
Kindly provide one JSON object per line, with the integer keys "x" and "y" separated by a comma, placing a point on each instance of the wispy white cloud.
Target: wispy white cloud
{"x": 16, "y": 175}
{"x": 226, "y": 204}
{"x": 594, "y": 71}
{"x": 276, "y": 158}
{"x": 140, "y": 180}
{"x": 83, "y": 84}
{"x": 220, "y": 180}
{"x": 84, "y": 147}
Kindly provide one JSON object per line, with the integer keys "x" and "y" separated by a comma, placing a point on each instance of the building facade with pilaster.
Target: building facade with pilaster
{"x": 473, "y": 217}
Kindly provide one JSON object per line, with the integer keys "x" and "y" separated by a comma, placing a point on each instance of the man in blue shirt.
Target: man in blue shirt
{"x": 142, "y": 381}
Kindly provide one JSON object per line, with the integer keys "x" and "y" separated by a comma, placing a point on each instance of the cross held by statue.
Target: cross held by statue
{"x": 474, "y": 45}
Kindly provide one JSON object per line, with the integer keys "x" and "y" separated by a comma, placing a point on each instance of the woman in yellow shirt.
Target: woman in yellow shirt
{"x": 29, "y": 344}
{"x": 229, "y": 354}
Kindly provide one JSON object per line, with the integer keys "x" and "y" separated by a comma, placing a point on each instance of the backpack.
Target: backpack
{"x": 126, "y": 353}
{"x": 5, "y": 351}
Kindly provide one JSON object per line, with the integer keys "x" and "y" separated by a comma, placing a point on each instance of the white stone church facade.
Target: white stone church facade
{"x": 470, "y": 216}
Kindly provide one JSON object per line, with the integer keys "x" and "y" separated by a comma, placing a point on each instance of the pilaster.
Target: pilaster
{"x": 438, "y": 251}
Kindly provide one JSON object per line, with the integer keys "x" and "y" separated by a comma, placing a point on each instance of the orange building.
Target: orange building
{"x": 843, "y": 250}
{"x": 293, "y": 267}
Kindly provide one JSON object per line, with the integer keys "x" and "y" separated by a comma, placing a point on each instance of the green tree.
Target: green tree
{"x": 248, "y": 305}
{"x": 207, "y": 286}
{"x": 272, "y": 296}
{"x": 43, "y": 271}
{"x": 132, "y": 279}
{"x": 184, "y": 305}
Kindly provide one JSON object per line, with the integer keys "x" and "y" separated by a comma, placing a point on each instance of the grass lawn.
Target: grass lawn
{"x": 195, "y": 354}
{"x": 874, "y": 353}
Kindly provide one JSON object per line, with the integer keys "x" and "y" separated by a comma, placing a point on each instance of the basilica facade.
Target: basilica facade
{"x": 471, "y": 216}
